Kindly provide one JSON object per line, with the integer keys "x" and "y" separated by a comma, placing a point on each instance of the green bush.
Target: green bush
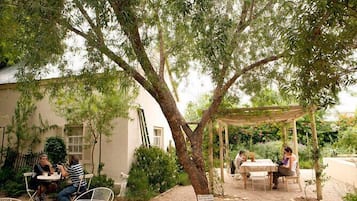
{"x": 348, "y": 140}
{"x": 160, "y": 170}
{"x": 5, "y": 175}
{"x": 350, "y": 197}
{"x": 55, "y": 148}
{"x": 139, "y": 188}
{"x": 102, "y": 181}
{"x": 270, "y": 150}
{"x": 183, "y": 179}
{"x": 13, "y": 184}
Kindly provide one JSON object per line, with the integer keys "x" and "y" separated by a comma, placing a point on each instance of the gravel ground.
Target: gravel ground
{"x": 333, "y": 190}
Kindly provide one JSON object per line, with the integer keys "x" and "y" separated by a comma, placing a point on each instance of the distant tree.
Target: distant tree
{"x": 95, "y": 101}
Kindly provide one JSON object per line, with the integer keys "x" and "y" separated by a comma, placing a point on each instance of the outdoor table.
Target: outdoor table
{"x": 259, "y": 165}
{"x": 49, "y": 178}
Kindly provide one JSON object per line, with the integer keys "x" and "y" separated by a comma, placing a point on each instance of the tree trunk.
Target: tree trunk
{"x": 191, "y": 157}
{"x": 316, "y": 156}
{"x": 193, "y": 164}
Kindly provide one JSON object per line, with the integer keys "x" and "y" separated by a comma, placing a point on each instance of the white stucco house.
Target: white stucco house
{"x": 117, "y": 150}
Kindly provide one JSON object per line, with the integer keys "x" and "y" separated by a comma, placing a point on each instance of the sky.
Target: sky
{"x": 199, "y": 86}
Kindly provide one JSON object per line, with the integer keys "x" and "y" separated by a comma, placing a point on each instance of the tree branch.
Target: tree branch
{"x": 128, "y": 22}
{"x": 251, "y": 10}
{"x": 96, "y": 29}
{"x": 110, "y": 54}
{"x": 220, "y": 91}
{"x": 251, "y": 67}
{"x": 162, "y": 50}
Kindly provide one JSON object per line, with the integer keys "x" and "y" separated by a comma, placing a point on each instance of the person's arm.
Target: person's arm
{"x": 50, "y": 168}
{"x": 63, "y": 171}
{"x": 290, "y": 162}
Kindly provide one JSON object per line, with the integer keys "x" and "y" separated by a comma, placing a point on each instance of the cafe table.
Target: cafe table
{"x": 49, "y": 178}
{"x": 259, "y": 165}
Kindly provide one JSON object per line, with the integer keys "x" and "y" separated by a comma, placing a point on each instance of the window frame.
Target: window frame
{"x": 158, "y": 138}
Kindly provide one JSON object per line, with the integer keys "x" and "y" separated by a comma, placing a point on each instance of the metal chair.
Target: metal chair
{"x": 96, "y": 194}
{"x": 30, "y": 192}
{"x": 88, "y": 179}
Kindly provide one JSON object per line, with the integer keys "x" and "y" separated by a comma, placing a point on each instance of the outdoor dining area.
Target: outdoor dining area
{"x": 94, "y": 194}
{"x": 256, "y": 170}
{"x": 260, "y": 172}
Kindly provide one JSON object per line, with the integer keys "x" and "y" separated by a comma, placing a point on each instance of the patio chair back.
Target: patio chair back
{"x": 99, "y": 193}
{"x": 30, "y": 192}
{"x": 88, "y": 179}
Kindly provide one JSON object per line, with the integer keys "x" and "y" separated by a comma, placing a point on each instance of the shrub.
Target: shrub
{"x": 348, "y": 140}
{"x": 183, "y": 179}
{"x": 159, "y": 168}
{"x": 13, "y": 184}
{"x": 102, "y": 181}
{"x": 350, "y": 197}
{"x": 138, "y": 185}
{"x": 270, "y": 150}
{"x": 56, "y": 150}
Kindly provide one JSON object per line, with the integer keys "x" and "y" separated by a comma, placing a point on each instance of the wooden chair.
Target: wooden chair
{"x": 30, "y": 192}
{"x": 259, "y": 176}
{"x": 295, "y": 178}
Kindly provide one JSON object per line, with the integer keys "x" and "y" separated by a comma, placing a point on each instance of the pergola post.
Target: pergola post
{"x": 315, "y": 154}
{"x": 221, "y": 146}
{"x": 284, "y": 136}
{"x": 210, "y": 156}
{"x": 295, "y": 141}
{"x": 227, "y": 147}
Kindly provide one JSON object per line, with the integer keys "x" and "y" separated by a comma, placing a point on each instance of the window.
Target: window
{"x": 75, "y": 143}
{"x": 158, "y": 137}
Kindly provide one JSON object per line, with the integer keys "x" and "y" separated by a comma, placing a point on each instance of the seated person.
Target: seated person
{"x": 240, "y": 158}
{"x": 43, "y": 167}
{"x": 287, "y": 167}
{"x": 73, "y": 171}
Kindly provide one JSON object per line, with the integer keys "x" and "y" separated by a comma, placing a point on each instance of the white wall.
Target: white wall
{"x": 154, "y": 117}
{"x": 118, "y": 149}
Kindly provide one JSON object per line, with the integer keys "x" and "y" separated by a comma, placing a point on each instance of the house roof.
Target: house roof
{"x": 260, "y": 115}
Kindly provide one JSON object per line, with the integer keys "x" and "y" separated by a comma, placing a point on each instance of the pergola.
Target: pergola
{"x": 286, "y": 115}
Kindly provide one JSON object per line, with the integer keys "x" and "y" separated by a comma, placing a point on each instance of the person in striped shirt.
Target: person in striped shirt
{"x": 73, "y": 172}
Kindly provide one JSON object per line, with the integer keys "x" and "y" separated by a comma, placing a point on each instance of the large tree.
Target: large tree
{"x": 239, "y": 44}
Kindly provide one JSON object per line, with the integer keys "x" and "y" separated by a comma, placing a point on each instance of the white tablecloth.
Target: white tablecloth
{"x": 257, "y": 166}
{"x": 54, "y": 177}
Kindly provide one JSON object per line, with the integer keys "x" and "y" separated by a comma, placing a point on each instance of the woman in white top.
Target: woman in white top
{"x": 287, "y": 169}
